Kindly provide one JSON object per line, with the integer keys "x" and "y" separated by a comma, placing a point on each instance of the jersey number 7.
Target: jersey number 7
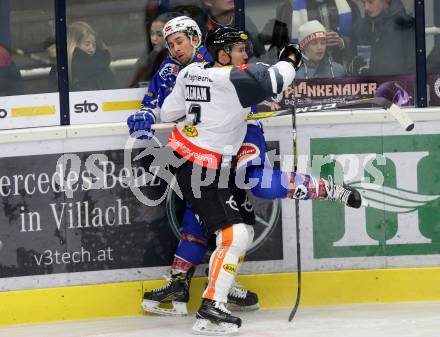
{"x": 195, "y": 111}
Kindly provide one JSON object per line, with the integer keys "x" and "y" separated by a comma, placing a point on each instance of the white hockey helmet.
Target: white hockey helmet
{"x": 182, "y": 24}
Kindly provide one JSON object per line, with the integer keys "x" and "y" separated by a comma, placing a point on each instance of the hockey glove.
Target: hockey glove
{"x": 292, "y": 49}
{"x": 141, "y": 120}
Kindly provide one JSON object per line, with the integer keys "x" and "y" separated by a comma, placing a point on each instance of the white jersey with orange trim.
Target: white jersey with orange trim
{"x": 215, "y": 102}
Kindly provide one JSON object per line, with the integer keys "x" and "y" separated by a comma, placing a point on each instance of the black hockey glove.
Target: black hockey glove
{"x": 292, "y": 48}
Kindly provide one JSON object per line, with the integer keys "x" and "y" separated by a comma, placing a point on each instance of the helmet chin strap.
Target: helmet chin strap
{"x": 194, "y": 47}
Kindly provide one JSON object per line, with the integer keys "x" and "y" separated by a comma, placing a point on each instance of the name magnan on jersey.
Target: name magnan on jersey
{"x": 215, "y": 102}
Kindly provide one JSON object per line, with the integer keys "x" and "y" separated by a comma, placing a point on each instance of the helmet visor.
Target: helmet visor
{"x": 241, "y": 46}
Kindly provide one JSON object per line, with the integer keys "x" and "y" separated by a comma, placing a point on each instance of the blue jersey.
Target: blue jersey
{"x": 164, "y": 80}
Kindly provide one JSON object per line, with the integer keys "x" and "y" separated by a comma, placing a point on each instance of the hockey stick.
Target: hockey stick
{"x": 298, "y": 243}
{"x": 399, "y": 96}
{"x": 401, "y": 116}
{"x": 389, "y": 96}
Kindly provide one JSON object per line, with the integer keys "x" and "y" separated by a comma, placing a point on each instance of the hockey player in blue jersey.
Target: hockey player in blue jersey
{"x": 185, "y": 47}
{"x": 251, "y": 162}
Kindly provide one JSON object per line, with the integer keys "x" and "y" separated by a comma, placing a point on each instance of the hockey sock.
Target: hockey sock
{"x": 192, "y": 246}
{"x": 190, "y": 253}
{"x": 272, "y": 184}
{"x": 231, "y": 244}
{"x": 304, "y": 186}
{"x": 181, "y": 266}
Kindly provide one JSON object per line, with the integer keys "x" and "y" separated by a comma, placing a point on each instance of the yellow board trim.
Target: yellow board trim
{"x": 274, "y": 291}
{"x": 121, "y": 105}
{"x": 33, "y": 111}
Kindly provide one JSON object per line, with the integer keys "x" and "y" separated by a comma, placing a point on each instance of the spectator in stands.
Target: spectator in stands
{"x": 383, "y": 42}
{"x": 88, "y": 60}
{"x": 313, "y": 43}
{"x": 337, "y": 16}
{"x": 219, "y": 13}
{"x": 10, "y": 78}
{"x": 209, "y": 14}
{"x": 155, "y": 54}
{"x": 222, "y": 13}
{"x": 190, "y": 8}
{"x": 275, "y": 36}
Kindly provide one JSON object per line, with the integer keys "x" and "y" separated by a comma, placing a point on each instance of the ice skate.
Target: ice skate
{"x": 343, "y": 193}
{"x": 241, "y": 299}
{"x": 175, "y": 293}
{"x": 214, "y": 319}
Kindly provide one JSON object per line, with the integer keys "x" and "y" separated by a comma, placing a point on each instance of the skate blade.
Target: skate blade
{"x": 205, "y": 327}
{"x": 235, "y": 307}
{"x": 179, "y": 308}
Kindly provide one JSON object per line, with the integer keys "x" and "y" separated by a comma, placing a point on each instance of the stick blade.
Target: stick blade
{"x": 402, "y": 117}
{"x": 410, "y": 127}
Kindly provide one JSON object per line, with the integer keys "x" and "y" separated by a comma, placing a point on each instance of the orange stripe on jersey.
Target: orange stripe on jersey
{"x": 244, "y": 66}
{"x": 227, "y": 236}
{"x": 192, "y": 152}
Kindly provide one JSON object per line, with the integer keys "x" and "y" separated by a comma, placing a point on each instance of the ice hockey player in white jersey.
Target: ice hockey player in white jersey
{"x": 215, "y": 99}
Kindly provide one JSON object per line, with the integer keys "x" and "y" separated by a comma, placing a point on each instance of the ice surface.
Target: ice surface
{"x": 366, "y": 320}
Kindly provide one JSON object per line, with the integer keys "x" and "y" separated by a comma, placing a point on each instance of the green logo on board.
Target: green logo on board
{"x": 399, "y": 177}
